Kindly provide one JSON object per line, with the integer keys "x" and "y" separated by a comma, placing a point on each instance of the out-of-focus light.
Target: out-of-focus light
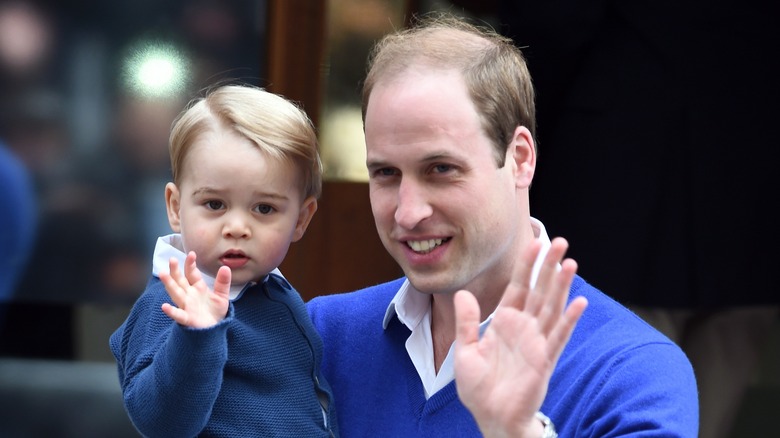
{"x": 155, "y": 69}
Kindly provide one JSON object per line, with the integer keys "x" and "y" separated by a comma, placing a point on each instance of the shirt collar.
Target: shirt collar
{"x": 411, "y": 306}
{"x": 171, "y": 246}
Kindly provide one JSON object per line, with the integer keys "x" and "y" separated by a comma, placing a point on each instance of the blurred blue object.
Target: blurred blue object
{"x": 18, "y": 219}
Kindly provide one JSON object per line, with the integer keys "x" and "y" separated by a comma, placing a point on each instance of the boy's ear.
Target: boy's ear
{"x": 172, "y": 204}
{"x": 308, "y": 209}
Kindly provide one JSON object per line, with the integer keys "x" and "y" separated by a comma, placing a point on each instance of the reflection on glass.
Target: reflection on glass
{"x": 353, "y": 27}
{"x": 156, "y": 69}
{"x": 89, "y": 91}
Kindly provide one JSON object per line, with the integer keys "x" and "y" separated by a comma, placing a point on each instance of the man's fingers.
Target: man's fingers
{"x": 547, "y": 274}
{"x": 562, "y": 331}
{"x": 467, "y": 315}
{"x": 516, "y": 293}
{"x": 553, "y": 300}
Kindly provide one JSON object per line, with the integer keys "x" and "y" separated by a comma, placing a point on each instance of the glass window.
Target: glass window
{"x": 90, "y": 89}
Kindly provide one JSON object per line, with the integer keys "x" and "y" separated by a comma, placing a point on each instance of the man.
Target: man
{"x": 449, "y": 125}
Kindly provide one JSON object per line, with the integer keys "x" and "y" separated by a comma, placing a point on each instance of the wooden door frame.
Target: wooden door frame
{"x": 341, "y": 250}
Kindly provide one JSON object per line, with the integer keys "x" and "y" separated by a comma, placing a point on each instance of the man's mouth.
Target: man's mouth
{"x": 424, "y": 246}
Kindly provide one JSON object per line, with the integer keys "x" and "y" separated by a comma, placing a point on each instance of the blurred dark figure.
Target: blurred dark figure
{"x": 70, "y": 249}
{"x": 656, "y": 126}
{"x": 17, "y": 221}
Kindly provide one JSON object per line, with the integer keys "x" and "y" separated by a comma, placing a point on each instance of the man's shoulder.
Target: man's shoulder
{"x": 614, "y": 362}
{"x": 369, "y": 294}
{"x": 369, "y": 302}
{"x": 609, "y": 318}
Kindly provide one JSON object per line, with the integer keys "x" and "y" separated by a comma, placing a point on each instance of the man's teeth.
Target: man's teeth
{"x": 423, "y": 246}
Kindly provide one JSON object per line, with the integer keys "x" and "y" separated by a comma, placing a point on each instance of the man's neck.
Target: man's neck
{"x": 442, "y": 327}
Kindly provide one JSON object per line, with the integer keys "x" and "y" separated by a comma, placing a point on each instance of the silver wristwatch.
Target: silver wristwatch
{"x": 549, "y": 428}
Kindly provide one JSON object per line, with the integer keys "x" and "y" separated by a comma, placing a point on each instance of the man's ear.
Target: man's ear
{"x": 172, "y": 204}
{"x": 523, "y": 152}
{"x": 308, "y": 208}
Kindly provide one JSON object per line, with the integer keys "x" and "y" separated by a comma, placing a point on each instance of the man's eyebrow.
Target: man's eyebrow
{"x": 375, "y": 164}
{"x": 434, "y": 156}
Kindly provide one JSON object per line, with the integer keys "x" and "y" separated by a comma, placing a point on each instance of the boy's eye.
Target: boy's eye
{"x": 214, "y": 205}
{"x": 264, "y": 209}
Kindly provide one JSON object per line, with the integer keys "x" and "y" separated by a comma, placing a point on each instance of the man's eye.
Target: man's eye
{"x": 214, "y": 205}
{"x": 385, "y": 171}
{"x": 442, "y": 168}
{"x": 264, "y": 209}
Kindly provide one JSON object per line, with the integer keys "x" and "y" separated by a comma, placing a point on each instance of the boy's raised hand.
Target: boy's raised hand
{"x": 197, "y": 306}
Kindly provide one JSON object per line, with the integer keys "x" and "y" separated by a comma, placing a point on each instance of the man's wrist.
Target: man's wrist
{"x": 549, "y": 427}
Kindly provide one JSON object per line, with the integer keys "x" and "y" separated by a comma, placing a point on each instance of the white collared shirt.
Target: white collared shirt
{"x": 171, "y": 246}
{"x": 413, "y": 309}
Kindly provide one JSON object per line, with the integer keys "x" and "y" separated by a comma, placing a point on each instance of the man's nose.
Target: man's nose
{"x": 413, "y": 205}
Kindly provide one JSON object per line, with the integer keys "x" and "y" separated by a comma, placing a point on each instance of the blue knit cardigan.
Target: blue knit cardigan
{"x": 254, "y": 374}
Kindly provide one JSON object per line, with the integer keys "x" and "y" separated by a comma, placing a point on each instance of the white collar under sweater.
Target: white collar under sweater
{"x": 413, "y": 309}
{"x": 171, "y": 246}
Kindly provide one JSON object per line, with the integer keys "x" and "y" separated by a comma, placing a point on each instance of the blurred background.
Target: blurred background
{"x": 88, "y": 92}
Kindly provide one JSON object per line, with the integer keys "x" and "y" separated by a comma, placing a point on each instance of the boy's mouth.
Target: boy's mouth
{"x": 234, "y": 259}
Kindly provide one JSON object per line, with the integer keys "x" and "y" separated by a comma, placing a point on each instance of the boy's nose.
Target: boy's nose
{"x": 236, "y": 227}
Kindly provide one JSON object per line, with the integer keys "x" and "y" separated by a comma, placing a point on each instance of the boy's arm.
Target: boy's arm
{"x": 170, "y": 375}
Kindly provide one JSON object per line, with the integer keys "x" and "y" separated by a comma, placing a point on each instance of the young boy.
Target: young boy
{"x": 237, "y": 355}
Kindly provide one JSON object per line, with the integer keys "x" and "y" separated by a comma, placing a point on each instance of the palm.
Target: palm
{"x": 502, "y": 376}
{"x": 196, "y": 304}
{"x": 498, "y": 369}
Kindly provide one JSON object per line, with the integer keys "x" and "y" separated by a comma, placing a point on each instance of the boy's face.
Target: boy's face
{"x": 237, "y": 207}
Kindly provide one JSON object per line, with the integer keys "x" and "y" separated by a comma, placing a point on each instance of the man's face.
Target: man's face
{"x": 443, "y": 209}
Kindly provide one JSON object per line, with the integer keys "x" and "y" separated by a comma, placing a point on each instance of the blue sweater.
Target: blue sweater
{"x": 256, "y": 373}
{"x": 617, "y": 376}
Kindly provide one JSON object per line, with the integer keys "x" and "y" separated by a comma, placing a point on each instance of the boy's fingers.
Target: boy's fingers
{"x": 191, "y": 270}
{"x": 176, "y": 314}
{"x": 174, "y": 290}
{"x": 222, "y": 282}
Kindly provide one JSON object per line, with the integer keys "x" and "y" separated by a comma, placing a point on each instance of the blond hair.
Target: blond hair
{"x": 278, "y": 127}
